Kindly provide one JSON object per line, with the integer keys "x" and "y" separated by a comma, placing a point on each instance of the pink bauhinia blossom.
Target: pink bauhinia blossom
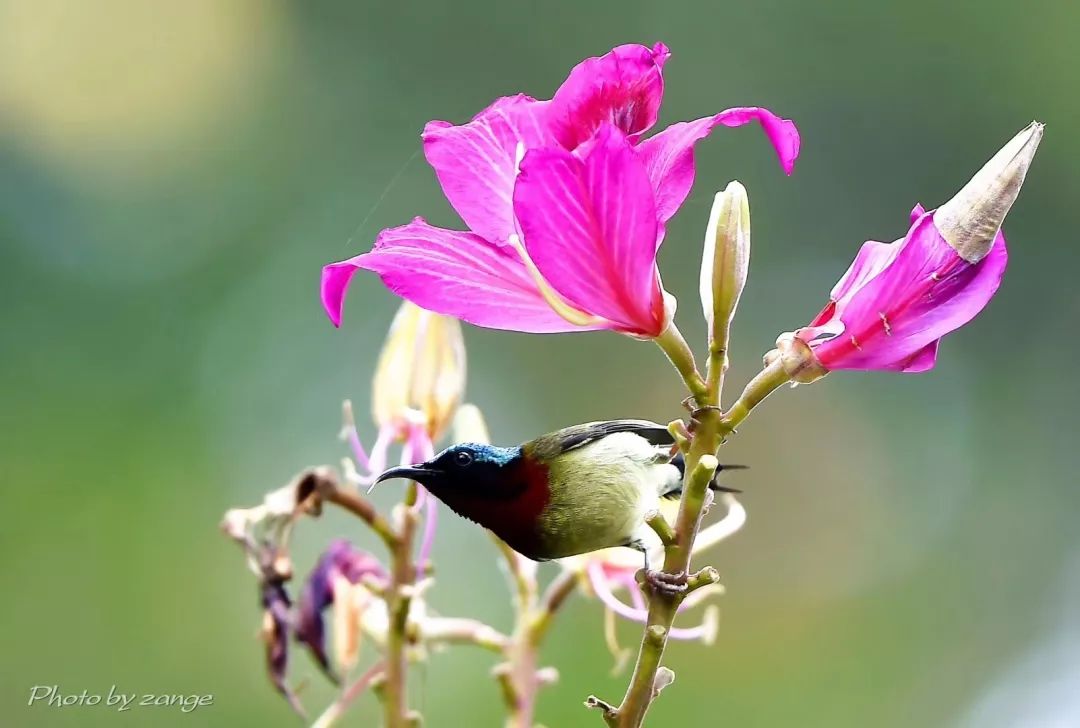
{"x": 897, "y": 300}
{"x": 565, "y": 203}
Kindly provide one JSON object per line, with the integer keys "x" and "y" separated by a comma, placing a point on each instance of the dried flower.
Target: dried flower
{"x": 263, "y": 533}
{"x": 339, "y": 580}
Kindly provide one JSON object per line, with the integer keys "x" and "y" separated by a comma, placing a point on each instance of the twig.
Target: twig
{"x": 399, "y": 599}
{"x": 463, "y": 631}
{"x": 332, "y": 492}
{"x": 348, "y": 695}
{"x": 520, "y": 677}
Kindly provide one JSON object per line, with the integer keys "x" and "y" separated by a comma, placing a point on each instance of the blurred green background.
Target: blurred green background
{"x": 172, "y": 177}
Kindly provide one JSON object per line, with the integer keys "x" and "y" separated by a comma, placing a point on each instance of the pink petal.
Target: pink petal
{"x": 476, "y": 163}
{"x": 590, "y": 227}
{"x": 623, "y": 87}
{"x": 871, "y": 260}
{"x": 669, "y": 156}
{"x": 425, "y": 450}
{"x": 923, "y": 360}
{"x": 925, "y": 292}
{"x": 454, "y": 273}
{"x": 782, "y": 133}
{"x": 603, "y": 592}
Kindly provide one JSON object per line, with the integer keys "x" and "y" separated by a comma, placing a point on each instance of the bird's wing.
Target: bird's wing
{"x": 577, "y": 436}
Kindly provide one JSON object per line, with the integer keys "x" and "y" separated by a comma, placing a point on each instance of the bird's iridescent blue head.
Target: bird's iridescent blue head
{"x": 469, "y": 467}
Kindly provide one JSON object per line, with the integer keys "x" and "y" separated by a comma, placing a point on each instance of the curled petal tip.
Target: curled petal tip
{"x": 334, "y": 284}
{"x": 969, "y": 222}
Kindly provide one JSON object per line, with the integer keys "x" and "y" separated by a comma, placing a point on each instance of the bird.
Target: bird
{"x": 579, "y": 489}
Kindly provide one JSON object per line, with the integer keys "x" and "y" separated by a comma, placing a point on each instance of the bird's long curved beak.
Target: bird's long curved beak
{"x": 411, "y": 472}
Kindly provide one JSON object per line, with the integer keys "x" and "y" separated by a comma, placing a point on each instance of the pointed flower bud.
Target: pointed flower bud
{"x": 725, "y": 259}
{"x": 895, "y": 303}
{"x": 421, "y": 372}
{"x": 970, "y": 221}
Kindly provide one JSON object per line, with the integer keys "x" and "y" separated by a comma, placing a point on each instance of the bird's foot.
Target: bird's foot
{"x": 696, "y": 411}
{"x": 665, "y": 583}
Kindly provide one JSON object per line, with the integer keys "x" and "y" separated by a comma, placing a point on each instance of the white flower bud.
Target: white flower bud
{"x": 725, "y": 258}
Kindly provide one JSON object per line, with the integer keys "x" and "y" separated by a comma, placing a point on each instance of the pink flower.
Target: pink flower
{"x": 610, "y": 571}
{"x": 897, "y": 300}
{"x": 565, "y": 203}
{"x": 418, "y": 384}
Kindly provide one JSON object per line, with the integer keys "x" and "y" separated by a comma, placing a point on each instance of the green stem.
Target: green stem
{"x": 711, "y": 429}
{"x": 673, "y": 344}
{"x": 767, "y": 381}
{"x": 718, "y": 366}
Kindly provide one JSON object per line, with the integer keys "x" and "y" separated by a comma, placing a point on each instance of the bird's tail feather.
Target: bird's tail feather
{"x": 679, "y": 462}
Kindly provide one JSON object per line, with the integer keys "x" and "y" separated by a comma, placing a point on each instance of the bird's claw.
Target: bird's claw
{"x": 697, "y": 411}
{"x": 666, "y": 583}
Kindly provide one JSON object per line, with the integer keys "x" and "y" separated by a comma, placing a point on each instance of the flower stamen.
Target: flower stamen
{"x": 558, "y": 304}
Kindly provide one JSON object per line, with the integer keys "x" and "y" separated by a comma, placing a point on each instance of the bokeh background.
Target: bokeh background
{"x": 173, "y": 175}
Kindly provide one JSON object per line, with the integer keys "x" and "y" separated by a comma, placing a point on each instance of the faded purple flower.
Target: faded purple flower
{"x": 340, "y": 567}
{"x": 275, "y": 635}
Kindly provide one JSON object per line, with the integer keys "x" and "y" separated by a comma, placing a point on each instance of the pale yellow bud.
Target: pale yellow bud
{"x": 421, "y": 371}
{"x": 350, "y": 601}
{"x": 969, "y": 222}
{"x": 469, "y": 425}
{"x": 725, "y": 259}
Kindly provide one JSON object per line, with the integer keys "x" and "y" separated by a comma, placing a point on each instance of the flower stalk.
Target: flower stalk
{"x": 711, "y": 427}
{"x": 337, "y": 708}
{"x": 701, "y": 465}
{"x": 519, "y": 676}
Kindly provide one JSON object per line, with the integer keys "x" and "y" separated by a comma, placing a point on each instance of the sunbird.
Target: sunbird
{"x": 579, "y": 489}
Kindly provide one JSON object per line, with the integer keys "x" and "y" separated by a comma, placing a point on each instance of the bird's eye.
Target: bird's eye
{"x": 463, "y": 459}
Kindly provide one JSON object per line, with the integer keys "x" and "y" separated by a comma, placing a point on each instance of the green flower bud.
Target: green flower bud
{"x": 725, "y": 259}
